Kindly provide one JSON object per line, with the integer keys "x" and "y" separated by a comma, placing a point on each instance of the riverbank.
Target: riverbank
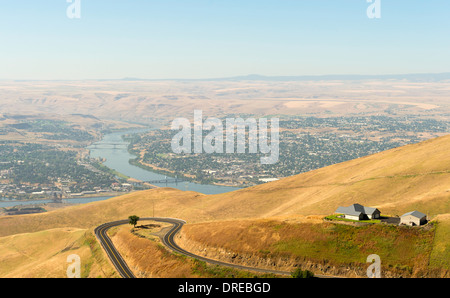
{"x": 103, "y": 194}
{"x": 163, "y": 171}
{"x": 88, "y": 196}
{"x": 122, "y": 160}
{"x": 32, "y": 206}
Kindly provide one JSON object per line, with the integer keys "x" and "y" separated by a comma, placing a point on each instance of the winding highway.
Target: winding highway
{"x": 168, "y": 240}
{"x": 114, "y": 255}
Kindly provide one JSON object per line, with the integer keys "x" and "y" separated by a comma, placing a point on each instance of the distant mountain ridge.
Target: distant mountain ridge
{"x": 414, "y": 77}
{"x": 411, "y": 77}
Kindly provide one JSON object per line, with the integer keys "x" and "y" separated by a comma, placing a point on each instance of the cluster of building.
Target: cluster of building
{"x": 56, "y": 192}
{"x": 360, "y": 212}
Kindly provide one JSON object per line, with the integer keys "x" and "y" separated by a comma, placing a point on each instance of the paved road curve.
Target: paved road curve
{"x": 114, "y": 255}
{"x": 168, "y": 240}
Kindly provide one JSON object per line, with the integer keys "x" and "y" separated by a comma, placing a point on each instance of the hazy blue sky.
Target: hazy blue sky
{"x": 220, "y": 38}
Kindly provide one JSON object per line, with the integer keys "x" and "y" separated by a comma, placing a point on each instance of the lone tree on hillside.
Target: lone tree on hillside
{"x": 299, "y": 273}
{"x": 133, "y": 220}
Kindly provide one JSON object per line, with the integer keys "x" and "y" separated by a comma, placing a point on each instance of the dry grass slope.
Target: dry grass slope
{"x": 44, "y": 254}
{"x": 399, "y": 180}
{"x": 396, "y": 181}
{"x": 321, "y": 247}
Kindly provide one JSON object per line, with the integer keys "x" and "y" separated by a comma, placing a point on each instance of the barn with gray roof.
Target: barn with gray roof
{"x": 413, "y": 218}
{"x": 359, "y": 212}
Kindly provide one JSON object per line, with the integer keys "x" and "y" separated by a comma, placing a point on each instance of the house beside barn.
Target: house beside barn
{"x": 413, "y": 218}
{"x": 359, "y": 212}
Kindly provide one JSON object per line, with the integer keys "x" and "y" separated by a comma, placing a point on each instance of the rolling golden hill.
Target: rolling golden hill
{"x": 399, "y": 180}
{"x": 396, "y": 181}
{"x": 413, "y": 177}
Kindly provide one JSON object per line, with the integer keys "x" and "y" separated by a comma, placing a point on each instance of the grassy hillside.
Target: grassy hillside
{"x": 44, "y": 254}
{"x": 396, "y": 181}
{"x": 166, "y": 202}
{"x": 324, "y": 247}
{"x": 440, "y": 256}
{"x": 148, "y": 258}
{"x": 414, "y": 177}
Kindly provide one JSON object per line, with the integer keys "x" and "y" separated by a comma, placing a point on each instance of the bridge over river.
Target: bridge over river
{"x": 109, "y": 146}
{"x": 166, "y": 181}
{"x": 113, "y": 149}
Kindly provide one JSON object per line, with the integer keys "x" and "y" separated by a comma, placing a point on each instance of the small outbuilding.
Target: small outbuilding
{"x": 413, "y": 218}
{"x": 359, "y": 212}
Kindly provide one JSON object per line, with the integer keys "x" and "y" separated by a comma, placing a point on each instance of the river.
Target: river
{"x": 118, "y": 159}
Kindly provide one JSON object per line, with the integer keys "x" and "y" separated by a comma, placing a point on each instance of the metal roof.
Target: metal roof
{"x": 415, "y": 214}
{"x": 356, "y": 209}
{"x": 348, "y": 211}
